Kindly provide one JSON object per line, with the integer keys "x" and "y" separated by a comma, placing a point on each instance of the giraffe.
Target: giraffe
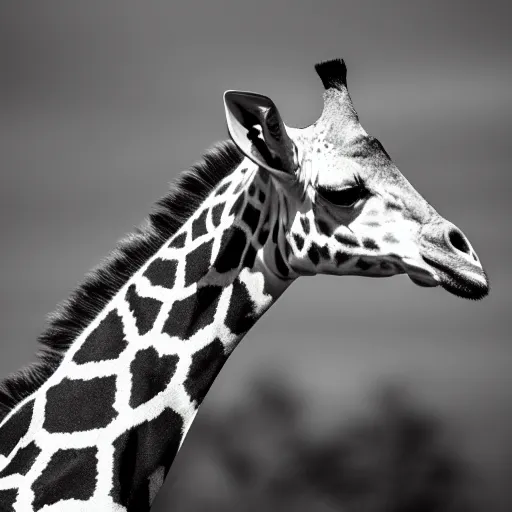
{"x": 96, "y": 423}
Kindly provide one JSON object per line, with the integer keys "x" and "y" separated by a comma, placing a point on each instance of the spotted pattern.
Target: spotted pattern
{"x": 151, "y": 374}
{"x": 144, "y": 309}
{"x": 7, "y": 499}
{"x": 251, "y": 217}
{"x": 119, "y": 373}
{"x": 22, "y": 461}
{"x": 189, "y": 315}
{"x": 231, "y": 249}
{"x": 299, "y": 241}
{"x": 363, "y": 265}
{"x": 162, "y": 273}
{"x": 341, "y": 258}
{"x": 15, "y": 428}
{"x": 304, "y": 221}
{"x": 199, "y": 225}
{"x": 237, "y": 206}
{"x": 198, "y": 263}
{"x": 347, "y": 239}
{"x": 250, "y": 256}
{"x": 323, "y": 227}
{"x": 217, "y": 214}
{"x": 314, "y": 253}
{"x": 178, "y": 242}
{"x": 138, "y": 451}
{"x": 390, "y": 238}
{"x": 368, "y": 243}
{"x": 70, "y": 474}
{"x": 222, "y": 189}
{"x": 67, "y": 411}
{"x": 105, "y": 342}
{"x": 240, "y": 316}
{"x": 263, "y": 236}
{"x": 206, "y": 364}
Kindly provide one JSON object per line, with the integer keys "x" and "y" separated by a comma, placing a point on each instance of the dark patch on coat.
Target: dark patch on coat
{"x": 222, "y": 189}
{"x": 250, "y": 257}
{"x": 263, "y": 236}
{"x": 151, "y": 373}
{"x": 79, "y": 405}
{"x": 178, "y": 242}
{"x": 206, "y": 364}
{"x": 162, "y": 273}
{"x": 70, "y": 474}
{"x": 304, "y": 221}
{"x": 299, "y": 241}
{"x": 231, "y": 249}
{"x": 261, "y": 196}
{"x": 368, "y": 243}
{"x": 7, "y": 499}
{"x": 197, "y": 263}
{"x": 324, "y": 252}
{"x": 217, "y": 214}
{"x": 189, "y": 315}
{"x": 22, "y": 461}
{"x": 341, "y": 257}
{"x": 144, "y": 309}
{"x": 390, "y": 238}
{"x": 362, "y": 264}
{"x": 314, "y": 253}
{"x": 252, "y": 189}
{"x": 15, "y": 428}
{"x": 240, "y": 316}
{"x": 107, "y": 341}
{"x": 199, "y": 225}
{"x": 323, "y": 227}
{"x": 138, "y": 453}
{"x": 251, "y": 217}
{"x": 237, "y": 206}
{"x": 348, "y": 240}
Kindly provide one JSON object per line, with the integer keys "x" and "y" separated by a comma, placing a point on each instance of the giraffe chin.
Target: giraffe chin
{"x": 423, "y": 281}
{"x": 420, "y": 274}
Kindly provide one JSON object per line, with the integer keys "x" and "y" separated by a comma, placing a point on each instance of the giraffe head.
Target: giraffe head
{"x": 344, "y": 207}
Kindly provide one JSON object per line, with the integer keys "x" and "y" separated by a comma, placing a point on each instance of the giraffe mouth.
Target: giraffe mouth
{"x": 460, "y": 278}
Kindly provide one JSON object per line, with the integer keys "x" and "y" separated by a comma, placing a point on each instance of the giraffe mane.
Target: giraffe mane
{"x": 102, "y": 283}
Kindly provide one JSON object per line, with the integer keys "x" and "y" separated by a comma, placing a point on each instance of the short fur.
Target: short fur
{"x": 333, "y": 73}
{"x": 101, "y": 284}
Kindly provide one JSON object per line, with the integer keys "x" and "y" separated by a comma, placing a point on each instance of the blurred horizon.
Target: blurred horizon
{"x": 104, "y": 103}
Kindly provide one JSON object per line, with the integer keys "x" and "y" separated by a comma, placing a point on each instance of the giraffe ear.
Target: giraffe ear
{"x": 256, "y": 127}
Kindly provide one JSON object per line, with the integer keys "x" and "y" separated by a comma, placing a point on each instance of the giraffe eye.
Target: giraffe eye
{"x": 345, "y": 197}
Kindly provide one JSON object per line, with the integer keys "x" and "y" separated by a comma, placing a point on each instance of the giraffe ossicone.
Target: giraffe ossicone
{"x": 128, "y": 359}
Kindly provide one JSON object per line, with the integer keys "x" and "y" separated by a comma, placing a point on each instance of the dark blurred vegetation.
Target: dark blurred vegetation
{"x": 259, "y": 456}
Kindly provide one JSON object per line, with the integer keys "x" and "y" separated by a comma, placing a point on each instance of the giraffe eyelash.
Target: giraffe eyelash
{"x": 347, "y": 196}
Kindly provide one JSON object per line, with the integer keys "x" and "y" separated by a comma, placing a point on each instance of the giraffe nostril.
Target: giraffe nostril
{"x": 458, "y": 241}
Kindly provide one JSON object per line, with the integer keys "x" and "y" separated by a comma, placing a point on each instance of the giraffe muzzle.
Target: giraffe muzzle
{"x": 447, "y": 251}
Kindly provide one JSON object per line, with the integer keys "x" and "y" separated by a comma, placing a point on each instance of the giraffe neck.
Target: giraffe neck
{"x": 108, "y": 423}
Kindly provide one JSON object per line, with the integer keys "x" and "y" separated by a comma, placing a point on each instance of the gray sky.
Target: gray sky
{"x": 103, "y": 103}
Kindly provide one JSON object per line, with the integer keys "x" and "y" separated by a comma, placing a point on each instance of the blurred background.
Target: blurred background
{"x": 395, "y": 398}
